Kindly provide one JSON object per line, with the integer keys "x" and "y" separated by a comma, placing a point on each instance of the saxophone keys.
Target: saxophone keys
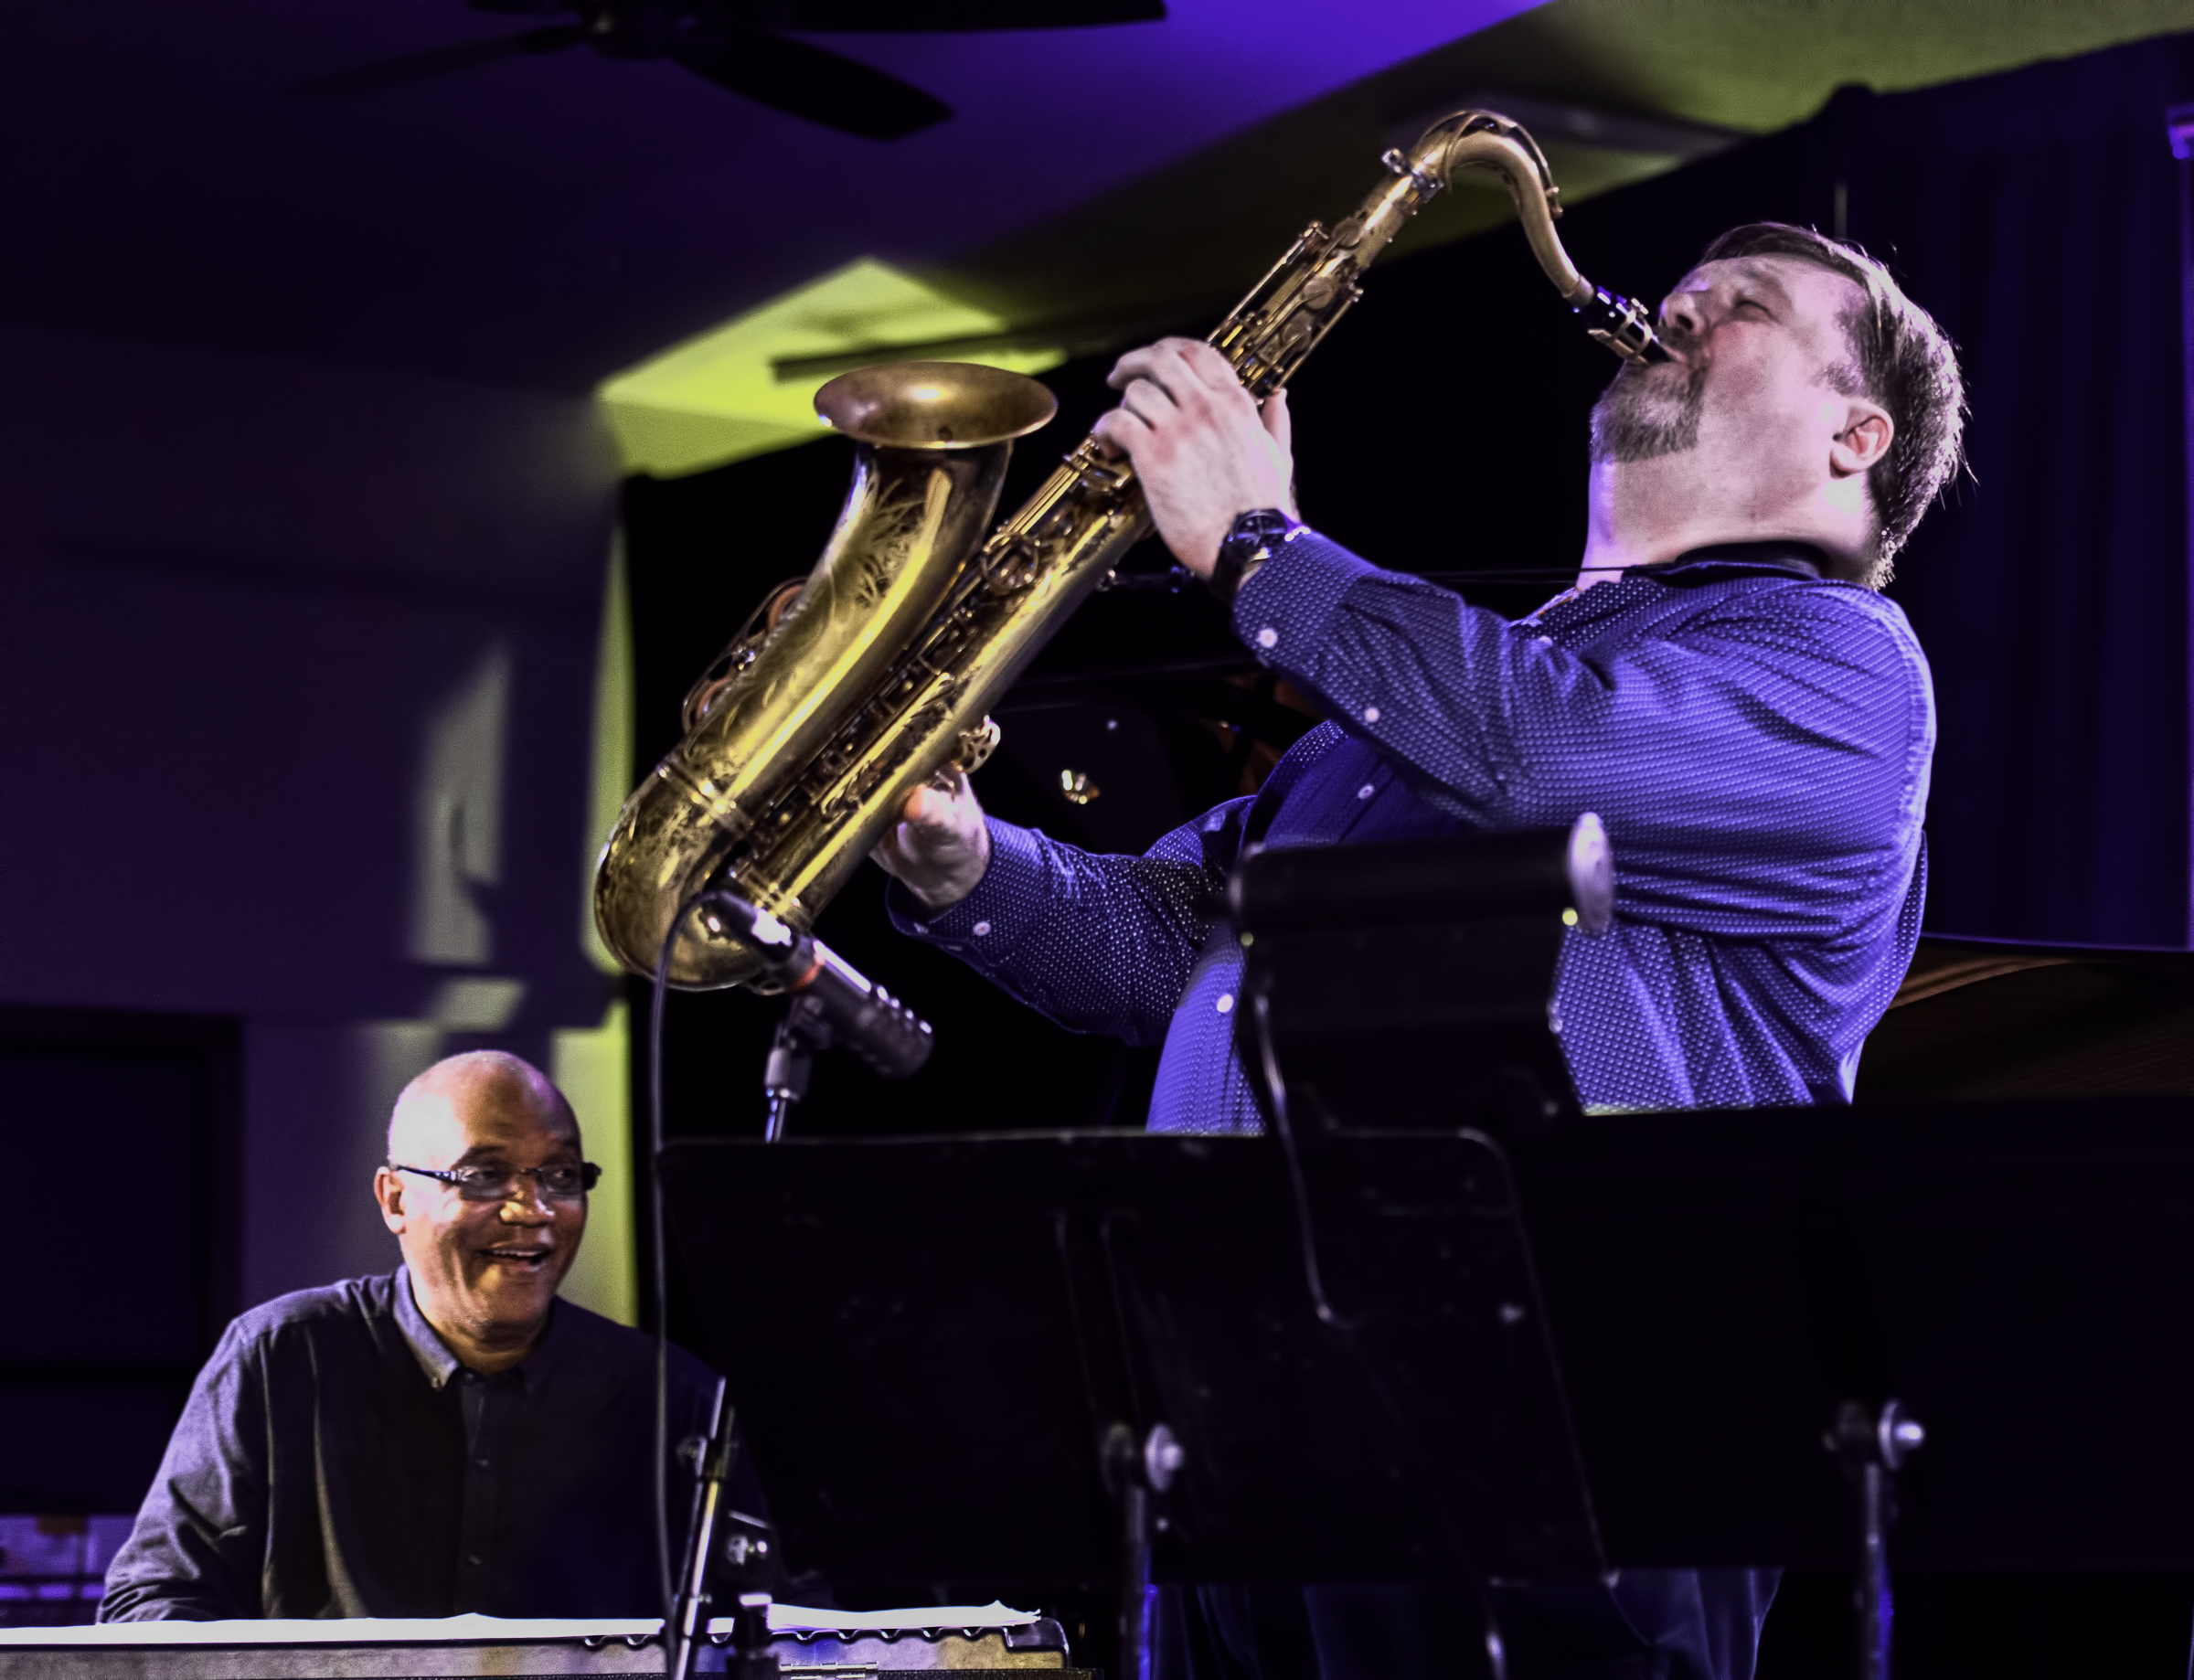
{"x": 975, "y": 747}
{"x": 1012, "y": 568}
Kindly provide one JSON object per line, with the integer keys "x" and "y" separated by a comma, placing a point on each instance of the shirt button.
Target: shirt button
{"x": 1365, "y": 791}
{"x": 474, "y": 1559}
{"x": 481, "y": 1463}
{"x": 1371, "y": 714}
{"x": 1226, "y": 1002}
{"x": 1268, "y": 637}
{"x": 1542, "y": 641}
{"x": 981, "y": 930}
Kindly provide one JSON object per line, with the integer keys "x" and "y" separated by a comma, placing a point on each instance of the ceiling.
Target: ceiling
{"x": 1200, "y": 228}
{"x": 548, "y": 221}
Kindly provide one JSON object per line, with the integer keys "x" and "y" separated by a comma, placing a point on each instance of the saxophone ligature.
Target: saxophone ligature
{"x": 849, "y": 690}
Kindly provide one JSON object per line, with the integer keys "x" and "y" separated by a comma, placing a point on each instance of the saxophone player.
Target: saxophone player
{"x": 1725, "y": 686}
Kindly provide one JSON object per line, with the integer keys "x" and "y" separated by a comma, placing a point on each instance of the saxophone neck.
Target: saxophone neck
{"x": 1486, "y": 140}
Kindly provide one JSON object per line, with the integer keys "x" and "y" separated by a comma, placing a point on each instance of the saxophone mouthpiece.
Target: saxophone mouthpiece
{"x": 1624, "y": 324}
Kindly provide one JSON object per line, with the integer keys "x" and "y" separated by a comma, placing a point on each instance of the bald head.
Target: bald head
{"x": 484, "y": 1265}
{"x": 436, "y": 1114}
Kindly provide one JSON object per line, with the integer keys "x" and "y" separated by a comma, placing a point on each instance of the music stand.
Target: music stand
{"x": 961, "y": 1359}
{"x": 1412, "y": 982}
{"x": 906, "y": 1323}
{"x": 2013, "y": 1272}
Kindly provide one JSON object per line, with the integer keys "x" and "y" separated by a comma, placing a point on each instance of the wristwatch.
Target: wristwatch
{"x": 1248, "y": 546}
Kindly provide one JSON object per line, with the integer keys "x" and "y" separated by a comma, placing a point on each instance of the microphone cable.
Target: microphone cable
{"x": 660, "y": 1261}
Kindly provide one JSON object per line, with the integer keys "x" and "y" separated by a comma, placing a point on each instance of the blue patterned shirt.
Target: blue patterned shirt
{"x": 1756, "y": 739}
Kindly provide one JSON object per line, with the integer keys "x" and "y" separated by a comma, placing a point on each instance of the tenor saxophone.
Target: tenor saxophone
{"x": 843, "y": 694}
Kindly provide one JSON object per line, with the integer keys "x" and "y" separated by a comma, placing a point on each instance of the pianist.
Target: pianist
{"x": 445, "y": 1439}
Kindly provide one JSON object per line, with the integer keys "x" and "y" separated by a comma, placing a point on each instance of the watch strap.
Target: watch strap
{"x": 1248, "y": 546}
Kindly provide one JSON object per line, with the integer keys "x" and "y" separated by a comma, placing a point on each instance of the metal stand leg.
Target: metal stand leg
{"x": 780, "y": 1111}
{"x": 791, "y": 1063}
{"x": 1497, "y": 1648}
{"x": 753, "y": 1656}
{"x": 1134, "y": 1583}
{"x": 689, "y": 1616}
{"x": 1872, "y": 1447}
{"x": 1136, "y": 1473}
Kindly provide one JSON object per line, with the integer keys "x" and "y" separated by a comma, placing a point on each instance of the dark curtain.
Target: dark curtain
{"x": 2036, "y": 215}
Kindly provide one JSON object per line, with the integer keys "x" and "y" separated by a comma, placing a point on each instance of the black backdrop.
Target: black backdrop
{"x": 104, "y": 1320}
{"x": 2036, "y": 213}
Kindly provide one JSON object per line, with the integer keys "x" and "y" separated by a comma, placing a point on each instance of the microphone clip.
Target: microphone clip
{"x": 833, "y": 1005}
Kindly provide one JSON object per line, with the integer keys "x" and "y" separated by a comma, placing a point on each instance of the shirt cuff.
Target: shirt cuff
{"x": 990, "y": 920}
{"x": 1284, "y": 609}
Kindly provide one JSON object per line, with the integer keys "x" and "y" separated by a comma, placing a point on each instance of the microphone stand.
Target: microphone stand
{"x": 688, "y": 1623}
{"x": 753, "y": 1656}
{"x": 802, "y": 1032}
{"x": 833, "y": 1005}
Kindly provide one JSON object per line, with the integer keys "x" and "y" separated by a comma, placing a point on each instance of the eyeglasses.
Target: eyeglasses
{"x": 499, "y": 1183}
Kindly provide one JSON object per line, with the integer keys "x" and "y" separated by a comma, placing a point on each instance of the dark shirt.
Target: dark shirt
{"x": 335, "y": 1459}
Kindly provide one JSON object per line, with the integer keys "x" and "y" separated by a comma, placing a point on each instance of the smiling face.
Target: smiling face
{"x": 1756, "y": 428}
{"x": 485, "y": 1272}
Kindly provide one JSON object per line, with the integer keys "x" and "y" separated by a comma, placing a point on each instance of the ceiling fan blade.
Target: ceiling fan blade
{"x": 443, "y": 61}
{"x": 898, "y": 16}
{"x": 810, "y": 82}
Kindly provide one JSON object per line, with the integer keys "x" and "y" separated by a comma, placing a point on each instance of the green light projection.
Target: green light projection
{"x": 720, "y": 396}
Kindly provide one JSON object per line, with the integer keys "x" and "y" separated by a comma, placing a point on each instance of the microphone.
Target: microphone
{"x": 860, "y": 1013}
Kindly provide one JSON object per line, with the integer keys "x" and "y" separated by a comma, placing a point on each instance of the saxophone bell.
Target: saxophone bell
{"x": 837, "y": 698}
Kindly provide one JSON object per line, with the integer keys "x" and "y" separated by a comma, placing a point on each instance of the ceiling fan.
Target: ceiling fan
{"x": 736, "y": 44}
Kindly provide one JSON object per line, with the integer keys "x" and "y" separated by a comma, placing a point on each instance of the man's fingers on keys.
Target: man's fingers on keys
{"x": 1149, "y": 403}
{"x": 1208, "y": 366}
{"x": 1121, "y": 432}
{"x": 1164, "y": 364}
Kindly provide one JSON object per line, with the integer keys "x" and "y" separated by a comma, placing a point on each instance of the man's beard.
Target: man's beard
{"x": 1638, "y": 417}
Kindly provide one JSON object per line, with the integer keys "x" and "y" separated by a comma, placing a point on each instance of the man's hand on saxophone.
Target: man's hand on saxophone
{"x": 1205, "y": 455}
{"x": 940, "y": 847}
{"x": 1204, "y": 452}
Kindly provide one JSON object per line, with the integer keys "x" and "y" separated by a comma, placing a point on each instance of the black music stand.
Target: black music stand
{"x": 1410, "y": 983}
{"x": 907, "y": 1323}
{"x": 2016, "y": 1273}
{"x": 998, "y": 1361}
